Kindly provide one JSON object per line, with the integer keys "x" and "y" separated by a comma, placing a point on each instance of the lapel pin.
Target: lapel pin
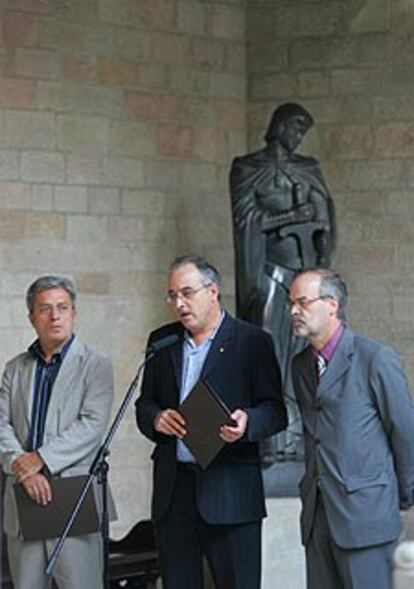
{"x": 221, "y": 349}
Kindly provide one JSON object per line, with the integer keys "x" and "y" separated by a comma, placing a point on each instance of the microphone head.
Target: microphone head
{"x": 162, "y": 343}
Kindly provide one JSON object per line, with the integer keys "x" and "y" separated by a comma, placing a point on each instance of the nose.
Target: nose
{"x": 54, "y": 313}
{"x": 179, "y": 301}
{"x": 293, "y": 308}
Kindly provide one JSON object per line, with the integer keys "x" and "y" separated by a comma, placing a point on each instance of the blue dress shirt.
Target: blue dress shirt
{"x": 193, "y": 361}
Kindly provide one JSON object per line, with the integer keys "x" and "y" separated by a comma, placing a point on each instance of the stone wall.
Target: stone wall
{"x": 118, "y": 122}
{"x": 118, "y": 119}
{"x": 350, "y": 64}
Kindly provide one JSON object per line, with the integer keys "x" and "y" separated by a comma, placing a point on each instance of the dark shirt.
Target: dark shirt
{"x": 45, "y": 377}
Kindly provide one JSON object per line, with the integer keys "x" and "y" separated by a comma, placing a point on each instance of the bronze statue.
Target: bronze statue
{"x": 283, "y": 220}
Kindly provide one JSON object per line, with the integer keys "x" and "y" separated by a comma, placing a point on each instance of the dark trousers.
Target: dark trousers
{"x": 233, "y": 551}
{"x": 330, "y": 567}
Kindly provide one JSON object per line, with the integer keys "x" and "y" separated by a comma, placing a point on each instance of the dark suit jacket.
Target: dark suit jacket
{"x": 359, "y": 436}
{"x": 241, "y": 367}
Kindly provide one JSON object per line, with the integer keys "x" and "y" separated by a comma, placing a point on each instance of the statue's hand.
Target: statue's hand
{"x": 298, "y": 214}
{"x": 303, "y": 213}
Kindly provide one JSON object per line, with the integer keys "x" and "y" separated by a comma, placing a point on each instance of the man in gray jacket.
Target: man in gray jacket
{"x": 55, "y": 402}
{"x": 359, "y": 434}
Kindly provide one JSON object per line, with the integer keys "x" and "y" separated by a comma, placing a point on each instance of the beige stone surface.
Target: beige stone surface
{"x": 283, "y": 560}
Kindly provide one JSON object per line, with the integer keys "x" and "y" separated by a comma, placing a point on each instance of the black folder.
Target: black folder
{"x": 48, "y": 521}
{"x": 204, "y": 412}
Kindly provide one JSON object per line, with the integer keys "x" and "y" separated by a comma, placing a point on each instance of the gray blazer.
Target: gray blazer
{"x": 359, "y": 441}
{"x": 77, "y": 416}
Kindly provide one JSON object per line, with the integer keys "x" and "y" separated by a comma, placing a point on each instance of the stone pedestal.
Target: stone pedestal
{"x": 403, "y": 577}
{"x": 283, "y": 554}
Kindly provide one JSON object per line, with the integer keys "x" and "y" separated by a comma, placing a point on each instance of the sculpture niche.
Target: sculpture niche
{"x": 283, "y": 220}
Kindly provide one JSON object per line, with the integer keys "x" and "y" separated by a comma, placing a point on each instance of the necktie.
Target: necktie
{"x": 321, "y": 365}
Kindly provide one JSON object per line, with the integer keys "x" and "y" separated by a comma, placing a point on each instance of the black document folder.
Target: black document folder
{"x": 204, "y": 413}
{"x": 40, "y": 522}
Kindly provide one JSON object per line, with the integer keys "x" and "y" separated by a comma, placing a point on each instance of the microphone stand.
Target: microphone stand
{"x": 100, "y": 467}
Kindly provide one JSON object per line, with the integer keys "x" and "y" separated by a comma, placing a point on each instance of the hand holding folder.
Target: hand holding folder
{"x": 205, "y": 413}
{"x": 47, "y": 521}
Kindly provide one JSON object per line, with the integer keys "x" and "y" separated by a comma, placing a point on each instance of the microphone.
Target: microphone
{"x": 165, "y": 342}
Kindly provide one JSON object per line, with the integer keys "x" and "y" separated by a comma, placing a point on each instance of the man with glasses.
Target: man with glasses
{"x": 359, "y": 434}
{"x": 55, "y": 402}
{"x": 216, "y": 512}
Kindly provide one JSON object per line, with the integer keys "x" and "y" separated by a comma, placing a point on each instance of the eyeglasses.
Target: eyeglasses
{"x": 305, "y": 303}
{"x": 185, "y": 294}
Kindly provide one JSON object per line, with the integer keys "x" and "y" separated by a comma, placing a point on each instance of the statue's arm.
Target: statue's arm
{"x": 243, "y": 186}
{"x": 298, "y": 214}
{"x": 325, "y": 208}
{"x": 243, "y": 181}
{"x": 325, "y": 239}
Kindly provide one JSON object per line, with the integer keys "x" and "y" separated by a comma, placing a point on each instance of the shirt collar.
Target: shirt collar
{"x": 189, "y": 340}
{"x": 35, "y": 349}
{"x": 329, "y": 348}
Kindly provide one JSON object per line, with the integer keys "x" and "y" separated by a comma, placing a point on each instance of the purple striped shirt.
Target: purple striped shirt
{"x": 329, "y": 348}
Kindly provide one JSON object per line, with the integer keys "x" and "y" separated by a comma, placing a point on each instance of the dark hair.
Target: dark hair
{"x": 286, "y": 111}
{"x": 209, "y": 273}
{"x": 331, "y": 285}
{"x": 46, "y": 283}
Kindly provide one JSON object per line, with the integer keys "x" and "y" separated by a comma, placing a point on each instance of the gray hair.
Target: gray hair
{"x": 47, "y": 282}
{"x": 208, "y": 272}
{"x": 332, "y": 285}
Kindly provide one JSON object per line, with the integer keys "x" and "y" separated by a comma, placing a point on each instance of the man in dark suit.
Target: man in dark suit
{"x": 359, "y": 435}
{"x": 216, "y": 512}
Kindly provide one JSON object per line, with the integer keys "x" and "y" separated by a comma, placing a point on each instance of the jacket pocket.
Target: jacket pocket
{"x": 355, "y": 483}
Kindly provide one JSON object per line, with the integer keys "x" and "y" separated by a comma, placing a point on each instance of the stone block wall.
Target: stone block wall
{"x": 118, "y": 119}
{"x": 118, "y": 123}
{"x": 350, "y": 64}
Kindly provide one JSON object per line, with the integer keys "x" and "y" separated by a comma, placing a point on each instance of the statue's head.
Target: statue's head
{"x": 288, "y": 125}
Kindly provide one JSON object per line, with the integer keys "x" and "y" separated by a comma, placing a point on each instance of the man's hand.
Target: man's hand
{"x": 27, "y": 465}
{"x": 170, "y": 422}
{"x": 38, "y": 488}
{"x": 230, "y": 433}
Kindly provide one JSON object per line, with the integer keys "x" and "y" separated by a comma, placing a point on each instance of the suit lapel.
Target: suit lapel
{"x": 221, "y": 340}
{"x": 27, "y": 372}
{"x": 340, "y": 362}
{"x": 176, "y": 355}
{"x": 223, "y": 336}
{"x": 68, "y": 372}
{"x": 310, "y": 370}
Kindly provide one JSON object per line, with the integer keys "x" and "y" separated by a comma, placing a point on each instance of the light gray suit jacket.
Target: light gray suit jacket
{"x": 359, "y": 437}
{"x": 77, "y": 416}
